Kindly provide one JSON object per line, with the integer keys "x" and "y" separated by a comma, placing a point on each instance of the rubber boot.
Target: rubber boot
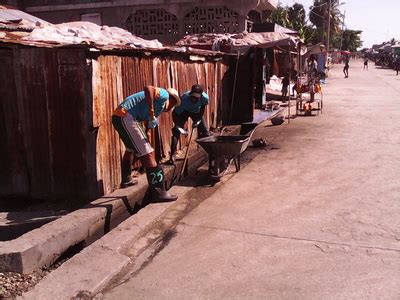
{"x": 155, "y": 178}
{"x": 126, "y": 168}
{"x": 174, "y": 146}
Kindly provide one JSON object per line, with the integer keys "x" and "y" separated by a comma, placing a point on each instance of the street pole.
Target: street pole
{"x": 341, "y": 40}
{"x": 328, "y": 30}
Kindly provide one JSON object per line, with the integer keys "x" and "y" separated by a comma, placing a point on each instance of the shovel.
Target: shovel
{"x": 184, "y": 132}
{"x": 195, "y": 125}
{"x": 181, "y": 130}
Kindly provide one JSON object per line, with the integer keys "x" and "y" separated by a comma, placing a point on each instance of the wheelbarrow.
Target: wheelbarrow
{"x": 222, "y": 150}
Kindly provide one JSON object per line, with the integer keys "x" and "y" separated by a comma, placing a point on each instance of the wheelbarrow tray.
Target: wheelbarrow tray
{"x": 217, "y": 146}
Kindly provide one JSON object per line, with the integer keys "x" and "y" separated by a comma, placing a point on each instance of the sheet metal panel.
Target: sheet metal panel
{"x": 67, "y": 121}
{"x": 162, "y": 79}
{"x": 13, "y": 169}
{"x": 107, "y": 93}
{"x": 51, "y": 112}
{"x": 32, "y": 112}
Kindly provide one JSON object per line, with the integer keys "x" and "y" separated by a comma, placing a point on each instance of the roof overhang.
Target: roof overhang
{"x": 267, "y": 5}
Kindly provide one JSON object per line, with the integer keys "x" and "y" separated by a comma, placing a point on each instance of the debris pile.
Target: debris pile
{"x": 234, "y": 40}
{"x": 89, "y": 33}
{"x": 22, "y": 28}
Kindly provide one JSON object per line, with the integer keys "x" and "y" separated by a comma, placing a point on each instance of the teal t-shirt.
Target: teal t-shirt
{"x": 189, "y": 106}
{"x": 136, "y": 105}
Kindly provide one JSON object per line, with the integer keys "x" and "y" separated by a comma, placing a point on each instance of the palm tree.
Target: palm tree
{"x": 318, "y": 17}
{"x": 280, "y": 16}
{"x": 297, "y": 16}
{"x": 310, "y": 35}
{"x": 351, "y": 40}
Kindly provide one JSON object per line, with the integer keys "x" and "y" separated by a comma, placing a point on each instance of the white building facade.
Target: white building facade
{"x": 166, "y": 20}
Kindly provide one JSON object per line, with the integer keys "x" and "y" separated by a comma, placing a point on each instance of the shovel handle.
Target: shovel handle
{"x": 187, "y": 153}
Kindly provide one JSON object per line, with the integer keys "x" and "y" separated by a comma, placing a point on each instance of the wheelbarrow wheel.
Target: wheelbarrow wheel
{"x": 278, "y": 120}
{"x": 219, "y": 167}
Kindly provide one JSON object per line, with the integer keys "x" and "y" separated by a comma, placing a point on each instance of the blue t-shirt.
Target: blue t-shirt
{"x": 189, "y": 106}
{"x": 320, "y": 62}
{"x": 136, "y": 105}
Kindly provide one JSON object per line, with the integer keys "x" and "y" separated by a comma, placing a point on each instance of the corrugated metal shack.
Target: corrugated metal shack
{"x": 56, "y": 104}
{"x": 259, "y": 55}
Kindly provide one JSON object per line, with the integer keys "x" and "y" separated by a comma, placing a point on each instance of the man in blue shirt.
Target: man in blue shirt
{"x": 193, "y": 105}
{"x": 144, "y": 106}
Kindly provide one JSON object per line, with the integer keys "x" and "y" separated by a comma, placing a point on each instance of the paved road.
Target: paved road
{"x": 315, "y": 218}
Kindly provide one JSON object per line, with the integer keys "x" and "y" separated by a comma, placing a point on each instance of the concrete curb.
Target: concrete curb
{"x": 96, "y": 267}
{"x": 15, "y": 224}
{"x": 42, "y": 246}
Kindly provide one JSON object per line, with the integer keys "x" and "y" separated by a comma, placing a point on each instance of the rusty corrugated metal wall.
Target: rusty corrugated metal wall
{"x": 56, "y": 106}
{"x": 44, "y": 110}
{"x": 116, "y": 77}
{"x": 13, "y": 174}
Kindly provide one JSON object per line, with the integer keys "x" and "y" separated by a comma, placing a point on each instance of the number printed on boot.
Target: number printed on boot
{"x": 156, "y": 177}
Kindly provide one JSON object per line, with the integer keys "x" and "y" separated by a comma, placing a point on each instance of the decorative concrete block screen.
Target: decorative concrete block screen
{"x": 211, "y": 20}
{"x": 152, "y": 22}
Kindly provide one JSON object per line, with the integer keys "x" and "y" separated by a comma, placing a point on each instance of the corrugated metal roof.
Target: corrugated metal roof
{"x": 234, "y": 39}
{"x": 85, "y": 34}
{"x": 279, "y": 28}
{"x": 16, "y": 38}
{"x": 239, "y": 41}
{"x": 20, "y": 28}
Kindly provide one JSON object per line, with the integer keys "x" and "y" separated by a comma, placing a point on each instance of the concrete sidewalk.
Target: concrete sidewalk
{"x": 110, "y": 257}
{"x": 124, "y": 246}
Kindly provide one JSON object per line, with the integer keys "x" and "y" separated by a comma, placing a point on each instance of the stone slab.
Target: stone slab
{"x": 91, "y": 270}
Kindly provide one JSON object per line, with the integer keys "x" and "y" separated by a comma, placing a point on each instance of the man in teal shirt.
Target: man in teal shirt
{"x": 193, "y": 105}
{"x": 144, "y": 106}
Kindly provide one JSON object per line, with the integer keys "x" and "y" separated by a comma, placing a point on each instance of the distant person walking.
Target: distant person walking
{"x": 397, "y": 65}
{"x": 346, "y": 67}
{"x": 311, "y": 68}
{"x": 285, "y": 87}
{"x": 365, "y": 64}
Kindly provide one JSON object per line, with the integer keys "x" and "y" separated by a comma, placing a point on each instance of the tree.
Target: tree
{"x": 293, "y": 17}
{"x": 351, "y": 40}
{"x": 297, "y": 16}
{"x": 310, "y": 35}
{"x": 318, "y": 17}
{"x": 280, "y": 16}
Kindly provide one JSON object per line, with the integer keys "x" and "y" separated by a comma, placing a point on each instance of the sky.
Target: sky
{"x": 379, "y": 20}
